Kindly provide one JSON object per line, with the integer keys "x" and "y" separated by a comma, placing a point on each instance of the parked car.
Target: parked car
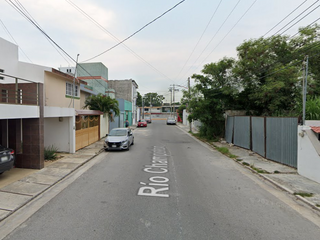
{"x": 119, "y": 139}
{"x": 171, "y": 121}
{"x": 142, "y": 123}
{"x": 148, "y": 119}
{"x": 7, "y": 159}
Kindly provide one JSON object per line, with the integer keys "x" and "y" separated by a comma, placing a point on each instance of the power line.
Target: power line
{"x": 6, "y": 29}
{"x": 113, "y": 36}
{"x": 214, "y": 13}
{"x": 300, "y": 19}
{"x": 215, "y": 34}
{"x": 306, "y": 27}
{"x": 136, "y": 31}
{"x": 228, "y": 32}
{"x": 284, "y": 18}
{"x": 295, "y": 17}
{"x": 33, "y": 22}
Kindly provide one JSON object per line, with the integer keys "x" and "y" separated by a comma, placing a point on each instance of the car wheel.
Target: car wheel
{"x": 132, "y": 142}
{"x": 128, "y": 148}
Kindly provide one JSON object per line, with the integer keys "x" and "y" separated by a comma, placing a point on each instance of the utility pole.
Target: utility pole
{"x": 74, "y": 78}
{"x": 170, "y": 90}
{"x": 142, "y": 107}
{"x": 304, "y": 89}
{"x": 173, "y": 90}
{"x": 190, "y": 128}
{"x": 150, "y": 106}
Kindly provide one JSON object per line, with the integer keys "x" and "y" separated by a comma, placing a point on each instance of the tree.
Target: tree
{"x": 139, "y": 100}
{"x": 156, "y": 100}
{"x": 104, "y": 104}
{"x": 214, "y": 92}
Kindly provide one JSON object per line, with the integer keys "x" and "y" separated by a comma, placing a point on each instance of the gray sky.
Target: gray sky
{"x": 166, "y": 52}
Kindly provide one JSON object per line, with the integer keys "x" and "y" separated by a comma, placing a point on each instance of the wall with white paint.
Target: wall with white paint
{"x": 308, "y": 154}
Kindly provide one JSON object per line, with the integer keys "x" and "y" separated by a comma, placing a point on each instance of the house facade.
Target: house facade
{"x": 40, "y": 106}
{"x": 127, "y": 90}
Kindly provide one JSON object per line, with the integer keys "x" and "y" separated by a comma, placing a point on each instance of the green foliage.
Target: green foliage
{"x": 50, "y": 153}
{"x": 139, "y": 100}
{"x": 104, "y": 104}
{"x": 223, "y": 150}
{"x": 313, "y": 108}
{"x": 303, "y": 194}
{"x": 156, "y": 100}
{"x": 265, "y": 80}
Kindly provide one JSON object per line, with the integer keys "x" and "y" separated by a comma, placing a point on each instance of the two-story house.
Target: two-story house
{"x": 39, "y": 107}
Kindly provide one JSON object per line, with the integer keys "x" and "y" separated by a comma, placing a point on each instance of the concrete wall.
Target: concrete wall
{"x": 57, "y": 134}
{"x": 55, "y": 92}
{"x": 58, "y": 128}
{"x": 308, "y": 154}
{"x": 92, "y": 69}
{"x": 83, "y": 97}
{"x": 104, "y": 125}
{"x": 9, "y": 62}
{"x": 10, "y": 111}
{"x": 32, "y": 72}
{"x": 8, "y": 58}
{"x": 123, "y": 89}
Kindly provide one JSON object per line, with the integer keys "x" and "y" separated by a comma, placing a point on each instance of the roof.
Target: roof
{"x": 316, "y": 129}
{"x": 88, "y": 112}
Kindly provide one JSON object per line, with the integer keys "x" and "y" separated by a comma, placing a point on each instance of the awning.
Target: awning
{"x": 88, "y": 112}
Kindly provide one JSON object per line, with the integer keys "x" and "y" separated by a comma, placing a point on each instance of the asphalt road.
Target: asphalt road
{"x": 169, "y": 186}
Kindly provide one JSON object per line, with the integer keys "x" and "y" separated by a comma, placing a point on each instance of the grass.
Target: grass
{"x": 223, "y": 150}
{"x": 50, "y": 153}
{"x": 303, "y": 194}
{"x": 318, "y": 205}
{"x": 258, "y": 170}
{"x": 246, "y": 164}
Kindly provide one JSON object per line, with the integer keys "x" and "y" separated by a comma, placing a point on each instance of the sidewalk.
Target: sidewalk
{"x": 284, "y": 177}
{"x": 20, "y": 192}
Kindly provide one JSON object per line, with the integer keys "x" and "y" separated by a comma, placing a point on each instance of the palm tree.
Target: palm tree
{"x": 104, "y": 104}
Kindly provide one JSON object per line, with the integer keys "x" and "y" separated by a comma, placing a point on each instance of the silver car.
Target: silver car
{"x": 171, "y": 121}
{"x": 119, "y": 139}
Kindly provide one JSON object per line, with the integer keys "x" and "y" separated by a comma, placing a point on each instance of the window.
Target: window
{"x": 1, "y": 71}
{"x": 69, "y": 88}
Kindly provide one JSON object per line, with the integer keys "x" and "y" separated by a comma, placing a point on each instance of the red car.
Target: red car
{"x": 142, "y": 123}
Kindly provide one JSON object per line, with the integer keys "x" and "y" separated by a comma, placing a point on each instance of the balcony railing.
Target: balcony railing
{"x": 18, "y": 91}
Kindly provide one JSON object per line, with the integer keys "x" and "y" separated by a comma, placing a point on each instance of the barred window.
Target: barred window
{"x": 69, "y": 88}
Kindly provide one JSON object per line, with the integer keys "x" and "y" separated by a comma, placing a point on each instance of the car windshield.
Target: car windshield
{"x": 118, "y": 132}
{"x": 171, "y": 118}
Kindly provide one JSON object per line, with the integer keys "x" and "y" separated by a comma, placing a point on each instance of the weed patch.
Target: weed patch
{"x": 258, "y": 170}
{"x": 50, "y": 153}
{"x": 303, "y": 194}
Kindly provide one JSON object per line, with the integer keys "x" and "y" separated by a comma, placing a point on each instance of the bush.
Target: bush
{"x": 50, "y": 153}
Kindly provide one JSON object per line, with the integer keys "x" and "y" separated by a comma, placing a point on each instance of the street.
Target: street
{"x": 169, "y": 186}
